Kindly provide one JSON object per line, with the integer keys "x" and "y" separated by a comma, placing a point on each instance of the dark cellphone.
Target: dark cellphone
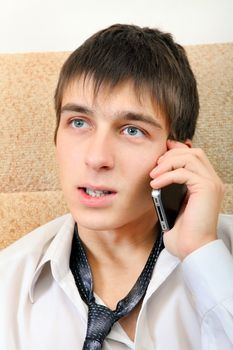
{"x": 167, "y": 202}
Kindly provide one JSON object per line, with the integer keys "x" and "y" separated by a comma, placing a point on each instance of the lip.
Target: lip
{"x": 97, "y": 188}
{"x": 96, "y": 202}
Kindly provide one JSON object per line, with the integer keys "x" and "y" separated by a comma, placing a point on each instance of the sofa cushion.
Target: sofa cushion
{"x": 29, "y": 186}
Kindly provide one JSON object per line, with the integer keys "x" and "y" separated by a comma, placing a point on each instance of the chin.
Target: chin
{"x": 100, "y": 225}
{"x": 92, "y": 221}
{"x": 95, "y": 222}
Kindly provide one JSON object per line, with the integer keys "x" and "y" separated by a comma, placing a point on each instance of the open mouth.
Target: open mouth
{"x": 96, "y": 193}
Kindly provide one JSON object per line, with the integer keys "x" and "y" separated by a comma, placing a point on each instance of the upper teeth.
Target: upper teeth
{"x": 96, "y": 193}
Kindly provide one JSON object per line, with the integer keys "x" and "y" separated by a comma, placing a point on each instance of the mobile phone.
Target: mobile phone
{"x": 167, "y": 202}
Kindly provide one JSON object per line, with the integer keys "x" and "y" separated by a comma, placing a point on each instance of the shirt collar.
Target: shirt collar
{"x": 164, "y": 266}
{"x": 57, "y": 254}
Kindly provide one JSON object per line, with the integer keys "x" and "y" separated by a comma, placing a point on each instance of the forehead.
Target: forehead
{"x": 124, "y": 95}
{"x": 86, "y": 87}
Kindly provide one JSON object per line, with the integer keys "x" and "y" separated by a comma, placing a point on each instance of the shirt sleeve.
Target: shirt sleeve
{"x": 208, "y": 273}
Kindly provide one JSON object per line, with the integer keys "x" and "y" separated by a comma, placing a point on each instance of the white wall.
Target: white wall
{"x": 58, "y": 25}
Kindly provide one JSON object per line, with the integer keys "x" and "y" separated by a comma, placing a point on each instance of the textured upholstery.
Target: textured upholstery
{"x": 29, "y": 187}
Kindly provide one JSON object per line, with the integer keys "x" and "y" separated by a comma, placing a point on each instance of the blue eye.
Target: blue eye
{"x": 78, "y": 123}
{"x": 133, "y": 131}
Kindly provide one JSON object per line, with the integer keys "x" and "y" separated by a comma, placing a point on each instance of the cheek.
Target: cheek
{"x": 140, "y": 165}
{"x": 144, "y": 162}
{"x": 138, "y": 170}
{"x": 67, "y": 156}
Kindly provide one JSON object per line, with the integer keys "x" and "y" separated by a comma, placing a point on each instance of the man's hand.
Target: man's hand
{"x": 196, "y": 224}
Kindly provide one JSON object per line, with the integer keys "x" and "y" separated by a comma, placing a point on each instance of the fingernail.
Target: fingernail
{"x": 153, "y": 183}
{"x": 154, "y": 171}
{"x": 160, "y": 159}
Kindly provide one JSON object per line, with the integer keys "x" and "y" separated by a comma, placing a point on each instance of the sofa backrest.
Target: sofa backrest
{"x": 30, "y": 193}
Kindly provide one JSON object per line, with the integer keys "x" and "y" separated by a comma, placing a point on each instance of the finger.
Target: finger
{"x": 195, "y": 183}
{"x": 196, "y": 152}
{"x": 171, "y": 144}
{"x": 179, "y": 176}
{"x": 189, "y": 162}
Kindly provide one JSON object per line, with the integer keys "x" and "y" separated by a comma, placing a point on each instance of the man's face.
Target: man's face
{"x": 106, "y": 147}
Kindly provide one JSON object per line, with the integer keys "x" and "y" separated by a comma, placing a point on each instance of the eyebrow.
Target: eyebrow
{"x": 72, "y": 107}
{"x": 126, "y": 115}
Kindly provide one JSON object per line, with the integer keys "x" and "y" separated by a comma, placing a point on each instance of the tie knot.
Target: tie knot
{"x": 100, "y": 321}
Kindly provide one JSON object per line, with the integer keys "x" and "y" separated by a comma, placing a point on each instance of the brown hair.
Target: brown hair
{"x": 148, "y": 57}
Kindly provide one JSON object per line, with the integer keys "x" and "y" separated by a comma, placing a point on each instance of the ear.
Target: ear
{"x": 188, "y": 143}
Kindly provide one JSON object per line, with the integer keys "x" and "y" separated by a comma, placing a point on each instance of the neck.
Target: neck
{"x": 116, "y": 244}
{"x": 118, "y": 256}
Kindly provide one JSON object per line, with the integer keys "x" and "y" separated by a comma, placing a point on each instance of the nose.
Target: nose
{"x": 99, "y": 153}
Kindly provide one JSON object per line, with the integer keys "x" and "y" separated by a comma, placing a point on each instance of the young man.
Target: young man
{"x": 126, "y": 105}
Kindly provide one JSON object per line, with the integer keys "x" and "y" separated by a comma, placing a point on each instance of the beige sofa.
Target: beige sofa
{"x": 29, "y": 187}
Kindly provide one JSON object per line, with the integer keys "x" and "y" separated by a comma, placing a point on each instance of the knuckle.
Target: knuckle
{"x": 217, "y": 186}
{"x": 199, "y": 152}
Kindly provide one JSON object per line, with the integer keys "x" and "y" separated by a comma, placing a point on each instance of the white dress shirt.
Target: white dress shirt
{"x": 188, "y": 305}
